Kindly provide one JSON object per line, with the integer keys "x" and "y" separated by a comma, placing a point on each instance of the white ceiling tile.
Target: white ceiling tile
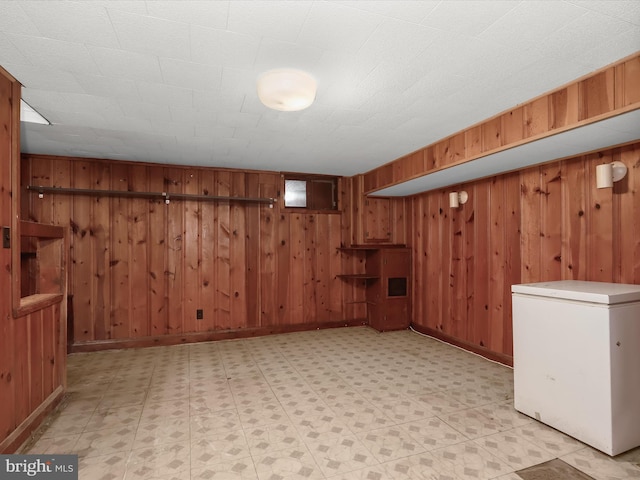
{"x": 217, "y": 101}
{"x": 162, "y": 94}
{"x": 126, "y": 64}
{"x": 280, "y": 20}
{"x": 130, "y": 6}
{"x": 188, "y": 114}
{"x": 150, "y": 111}
{"x": 151, "y": 35}
{"x": 119, "y": 88}
{"x": 398, "y": 41}
{"x": 191, "y": 75}
{"x": 66, "y": 56}
{"x": 602, "y": 29}
{"x": 214, "y": 130}
{"x": 334, "y": 27}
{"x": 627, "y": 10}
{"x": 13, "y": 19}
{"x": 221, "y": 47}
{"x": 164, "y": 127}
{"x": 614, "y": 49}
{"x": 239, "y": 120}
{"x": 530, "y": 22}
{"x": 204, "y": 13}
{"x": 278, "y": 54}
{"x": 9, "y": 53}
{"x": 468, "y": 17}
{"x": 44, "y": 78}
{"x": 79, "y": 22}
{"x": 407, "y": 10}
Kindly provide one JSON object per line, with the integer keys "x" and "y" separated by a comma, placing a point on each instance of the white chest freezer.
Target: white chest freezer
{"x": 576, "y": 360}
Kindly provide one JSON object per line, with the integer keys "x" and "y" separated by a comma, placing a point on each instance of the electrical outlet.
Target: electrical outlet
{"x": 199, "y": 314}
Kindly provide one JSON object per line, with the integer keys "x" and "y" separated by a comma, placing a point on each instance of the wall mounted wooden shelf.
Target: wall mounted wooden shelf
{"x": 358, "y": 276}
{"x": 43, "y": 261}
{"x": 385, "y": 283}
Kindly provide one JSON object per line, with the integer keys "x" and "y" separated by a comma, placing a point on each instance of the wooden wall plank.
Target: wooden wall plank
{"x": 335, "y": 295}
{"x": 119, "y": 304}
{"x": 297, "y": 275}
{"x": 628, "y": 216}
{"x": 551, "y": 222}
{"x": 574, "y": 225}
{"x": 238, "y": 253}
{"x": 512, "y": 257}
{"x": 264, "y": 227}
{"x": 496, "y": 264}
{"x": 599, "y": 223}
{"x": 192, "y": 255}
{"x": 597, "y": 94}
{"x": 310, "y": 309}
{"x": 284, "y": 253}
{"x": 139, "y": 276}
{"x": 157, "y": 255}
{"x": 81, "y": 255}
{"x": 478, "y": 329}
{"x": 208, "y": 240}
{"x": 99, "y": 233}
{"x": 223, "y": 259}
{"x": 174, "y": 180}
{"x": 492, "y": 134}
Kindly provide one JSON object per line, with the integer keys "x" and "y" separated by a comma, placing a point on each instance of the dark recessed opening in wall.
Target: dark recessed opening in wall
{"x": 312, "y": 192}
{"x": 397, "y": 287}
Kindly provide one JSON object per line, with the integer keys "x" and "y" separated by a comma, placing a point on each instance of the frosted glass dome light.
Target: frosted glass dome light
{"x": 286, "y": 89}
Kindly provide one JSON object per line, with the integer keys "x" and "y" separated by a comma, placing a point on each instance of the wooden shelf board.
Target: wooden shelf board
{"x": 359, "y": 276}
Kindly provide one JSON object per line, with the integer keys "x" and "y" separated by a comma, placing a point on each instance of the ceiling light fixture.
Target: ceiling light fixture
{"x": 286, "y": 89}
{"x": 28, "y": 114}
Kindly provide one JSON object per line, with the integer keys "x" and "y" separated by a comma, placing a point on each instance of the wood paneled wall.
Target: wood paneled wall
{"x": 32, "y": 354}
{"x": 539, "y": 224}
{"x": 140, "y": 268}
{"x": 607, "y": 92}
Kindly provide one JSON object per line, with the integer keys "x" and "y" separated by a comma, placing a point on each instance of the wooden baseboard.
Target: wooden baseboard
{"x": 31, "y": 423}
{"x": 166, "y": 340}
{"x": 483, "y": 351}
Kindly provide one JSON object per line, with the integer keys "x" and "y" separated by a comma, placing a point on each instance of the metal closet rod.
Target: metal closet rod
{"x": 164, "y": 195}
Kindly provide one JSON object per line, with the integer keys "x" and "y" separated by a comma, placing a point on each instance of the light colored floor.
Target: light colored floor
{"x": 345, "y": 403}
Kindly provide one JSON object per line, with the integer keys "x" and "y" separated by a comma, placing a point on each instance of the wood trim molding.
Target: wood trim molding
{"x": 15, "y": 194}
{"x": 482, "y": 351}
{"x": 196, "y": 337}
{"x": 19, "y": 436}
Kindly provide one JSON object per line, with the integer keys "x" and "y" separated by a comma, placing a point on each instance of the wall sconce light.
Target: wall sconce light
{"x": 458, "y": 198}
{"x": 608, "y": 173}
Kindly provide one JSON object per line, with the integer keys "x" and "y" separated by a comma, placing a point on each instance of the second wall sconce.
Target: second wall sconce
{"x": 458, "y": 198}
{"x": 608, "y": 173}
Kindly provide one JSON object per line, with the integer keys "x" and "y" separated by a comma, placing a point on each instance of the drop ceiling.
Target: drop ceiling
{"x": 174, "y": 81}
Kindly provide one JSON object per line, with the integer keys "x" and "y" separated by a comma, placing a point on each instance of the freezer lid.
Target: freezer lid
{"x": 594, "y": 292}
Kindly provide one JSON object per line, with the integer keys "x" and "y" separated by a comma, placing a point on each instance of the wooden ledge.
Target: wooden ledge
{"x": 36, "y": 302}
{"x": 40, "y": 230}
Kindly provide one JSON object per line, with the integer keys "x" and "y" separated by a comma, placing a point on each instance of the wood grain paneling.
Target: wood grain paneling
{"x": 141, "y": 268}
{"x": 32, "y": 348}
{"x": 541, "y": 224}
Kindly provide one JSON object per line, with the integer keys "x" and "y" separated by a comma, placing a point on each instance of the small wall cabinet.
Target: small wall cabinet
{"x": 386, "y": 280}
